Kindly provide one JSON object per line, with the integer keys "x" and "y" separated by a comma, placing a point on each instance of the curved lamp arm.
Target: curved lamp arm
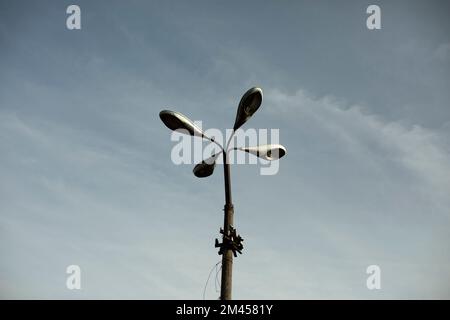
{"x": 229, "y": 140}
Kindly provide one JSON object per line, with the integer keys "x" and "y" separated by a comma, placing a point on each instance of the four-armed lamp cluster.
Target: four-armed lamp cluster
{"x": 231, "y": 241}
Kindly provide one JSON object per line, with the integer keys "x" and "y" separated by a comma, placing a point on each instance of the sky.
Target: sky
{"x": 86, "y": 176}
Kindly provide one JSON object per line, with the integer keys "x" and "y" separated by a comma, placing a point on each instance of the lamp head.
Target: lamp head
{"x": 250, "y": 102}
{"x": 206, "y": 167}
{"x": 268, "y": 151}
{"x": 177, "y": 121}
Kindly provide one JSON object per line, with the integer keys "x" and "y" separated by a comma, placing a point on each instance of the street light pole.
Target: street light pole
{"x": 231, "y": 241}
{"x": 227, "y": 255}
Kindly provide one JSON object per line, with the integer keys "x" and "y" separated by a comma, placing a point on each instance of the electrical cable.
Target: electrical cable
{"x": 209, "y": 276}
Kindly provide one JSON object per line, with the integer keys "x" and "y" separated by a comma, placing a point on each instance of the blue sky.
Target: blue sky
{"x": 86, "y": 176}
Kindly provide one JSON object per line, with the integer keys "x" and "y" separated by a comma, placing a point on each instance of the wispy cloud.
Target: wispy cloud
{"x": 423, "y": 152}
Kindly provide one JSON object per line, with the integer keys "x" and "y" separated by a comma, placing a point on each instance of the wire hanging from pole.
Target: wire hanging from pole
{"x": 209, "y": 276}
{"x": 216, "y": 282}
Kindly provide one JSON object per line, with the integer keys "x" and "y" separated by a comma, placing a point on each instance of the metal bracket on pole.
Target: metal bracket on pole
{"x": 231, "y": 241}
